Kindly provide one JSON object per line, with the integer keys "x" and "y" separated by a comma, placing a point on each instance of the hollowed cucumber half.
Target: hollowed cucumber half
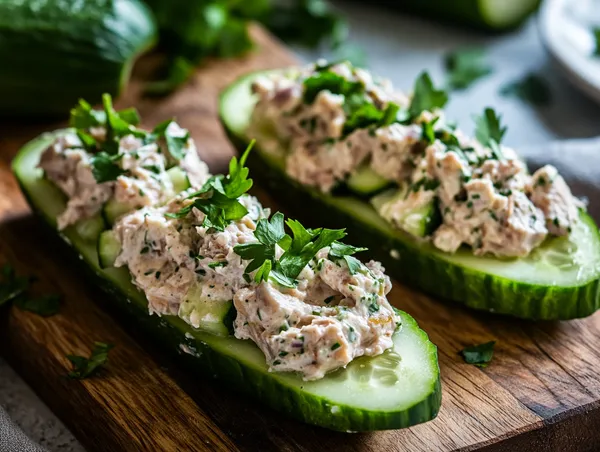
{"x": 397, "y": 389}
{"x": 559, "y": 280}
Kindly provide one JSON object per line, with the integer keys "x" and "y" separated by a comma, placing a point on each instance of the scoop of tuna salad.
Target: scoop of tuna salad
{"x": 303, "y": 299}
{"x": 106, "y": 158}
{"x": 338, "y": 124}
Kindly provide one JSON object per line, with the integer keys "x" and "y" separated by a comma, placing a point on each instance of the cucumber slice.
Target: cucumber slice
{"x": 366, "y": 182}
{"x": 561, "y": 280}
{"x": 108, "y": 249}
{"x": 418, "y": 220}
{"x": 113, "y": 209}
{"x": 397, "y": 389}
{"x": 179, "y": 179}
{"x": 214, "y": 316}
{"x": 90, "y": 228}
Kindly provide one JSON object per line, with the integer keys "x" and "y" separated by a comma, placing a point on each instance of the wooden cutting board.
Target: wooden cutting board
{"x": 541, "y": 393}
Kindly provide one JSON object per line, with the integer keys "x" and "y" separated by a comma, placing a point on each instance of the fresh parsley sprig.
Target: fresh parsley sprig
{"x": 490, "y": 132}
{"x": 14, "y": 289}
{"x": 341, "y": 251}
{"x": 426, "y": 97}
{"x": 218, "y": 198}
{"x": 464, "y": 67}
{"x": 299, "y": 249}
{"x": 85, "y": 367}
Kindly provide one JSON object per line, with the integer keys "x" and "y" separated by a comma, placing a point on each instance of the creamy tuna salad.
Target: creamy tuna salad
{"x": 339, "y": 125}
{"x": 303, "y": 299}
{"x": 110, "y": 160}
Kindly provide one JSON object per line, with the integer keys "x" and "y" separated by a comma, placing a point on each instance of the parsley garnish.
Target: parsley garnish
{"x": 45, "y": 306}
{"x": 428, "y": 130}
{"x": 489, "y": 132}
{"x": 300, "y": 248}
{"x": 426, "y": 97}
{"x": 218, "y": 198}
{"x": 85, "y": 367}
{"x": 326, "y": 80}
{"x": 176, "y": 144}
{"x": 532, "y": 88}
{"x": 11, "y": 285}
{"x": 14, "y": 288}
{"x": 596, "y": 33}
{"x": 105, "y": 168}
{"x": 479, "y": 355}
{"x": 464, "y": 67}
{"x": 344, "y": 252}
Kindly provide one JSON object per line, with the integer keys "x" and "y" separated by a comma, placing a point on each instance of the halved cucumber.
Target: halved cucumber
{"x": 560, "y": 280}
{"x": 90, "y": 228}
{"x": 108, "y": 249}
{"x": 397, "y": 389}
{"x": 179, "y": 179}
{"x": 366, "y": 182}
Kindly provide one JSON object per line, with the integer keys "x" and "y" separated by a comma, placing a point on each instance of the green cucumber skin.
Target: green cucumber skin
{"x": 459, "y": 12}
{"x": 207, "y": 362}
{"x": 56, "y": 54}
{"x": 425, "y": 271}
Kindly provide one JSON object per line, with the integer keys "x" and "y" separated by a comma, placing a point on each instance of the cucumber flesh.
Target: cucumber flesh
{"x": 559, "y": 280}
{"x": 419, "y": 220}
{"x": 114, "y": 209}
{"x": 366, "y": 182}
{"x": 90, "y": 228}
{"x": 213, "y": 316}
{"x": 108, "y": 249}
{"x": 179, "y": 179}
{"x": 397, "y": 389}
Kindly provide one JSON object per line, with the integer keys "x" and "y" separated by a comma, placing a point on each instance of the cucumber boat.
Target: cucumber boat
{"x": 557, "y": 280}
{"x": 396, "y": 389}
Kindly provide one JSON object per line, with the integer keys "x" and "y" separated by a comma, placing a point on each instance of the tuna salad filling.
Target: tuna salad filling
{"x": 105, "y": 158}
{"x": 340, "y": 125}
{"x": 303, "y": 299}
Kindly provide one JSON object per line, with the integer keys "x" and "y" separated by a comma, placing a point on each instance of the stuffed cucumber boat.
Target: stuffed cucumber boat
{"x": 288, "y": 316}
{"x": 460, "y": 218}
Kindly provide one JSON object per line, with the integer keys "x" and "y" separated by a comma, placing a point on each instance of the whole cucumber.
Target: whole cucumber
{"x": 54, "y": 52}
{"x": 489, "y": 15}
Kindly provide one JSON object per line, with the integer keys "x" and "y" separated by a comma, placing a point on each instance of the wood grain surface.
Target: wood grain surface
{"x": 541, "y": 393}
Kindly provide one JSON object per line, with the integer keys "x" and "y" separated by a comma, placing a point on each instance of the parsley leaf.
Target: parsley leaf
{"x": 326, "y": 80}
{"x": 11, "y": 285}
{"x": 426, "y": 97}
{"x": 428, "y": 133}
{"x": 218, "y": 198}
{"x": 268, "y": 233}
{"x": 176, "y": 143}
{"x": 105, "y": 167}
{"x": 342, "y": 251}
{"x": 45, "y": 306}
{"x": 83, "y": 116}
{"x": 479, "y": 355}
{"x": 532, "y": 88}
{"x": 464, "y": 67}
{"x": 85, "y": 367}
{"x": 489, "y": 132}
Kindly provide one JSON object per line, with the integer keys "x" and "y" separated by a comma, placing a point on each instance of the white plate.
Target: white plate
{"x": 566, "y": 26}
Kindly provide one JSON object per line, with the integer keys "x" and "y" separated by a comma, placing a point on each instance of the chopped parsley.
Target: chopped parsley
{"x": 85, "y": 367}
{"x": 489, "y": 131}
{"x": 426, "y": 97}
{"x": 176, "y": 143}
{"x": 335, "y": 346}
{"x": 299, "y": 249}
{"x": 532, "y": 89}
{"x": 105, "y": 167}
{"x": 464, "y": 67}
{"x": 341, "y": 251}
{"x": 428, "y": 131}
{"x": 596, "y": 33}
{"x": 216, "y": 264}
{"x": 218, "y": 198}
{"x": 479, "y": 355}
{"x": 45, "y": 306}
{"x": 11, "y": 285}
{"x": 14, "y": 289}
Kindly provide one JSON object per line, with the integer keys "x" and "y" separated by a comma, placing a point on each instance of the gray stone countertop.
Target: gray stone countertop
{"x": 398, "y": 48}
